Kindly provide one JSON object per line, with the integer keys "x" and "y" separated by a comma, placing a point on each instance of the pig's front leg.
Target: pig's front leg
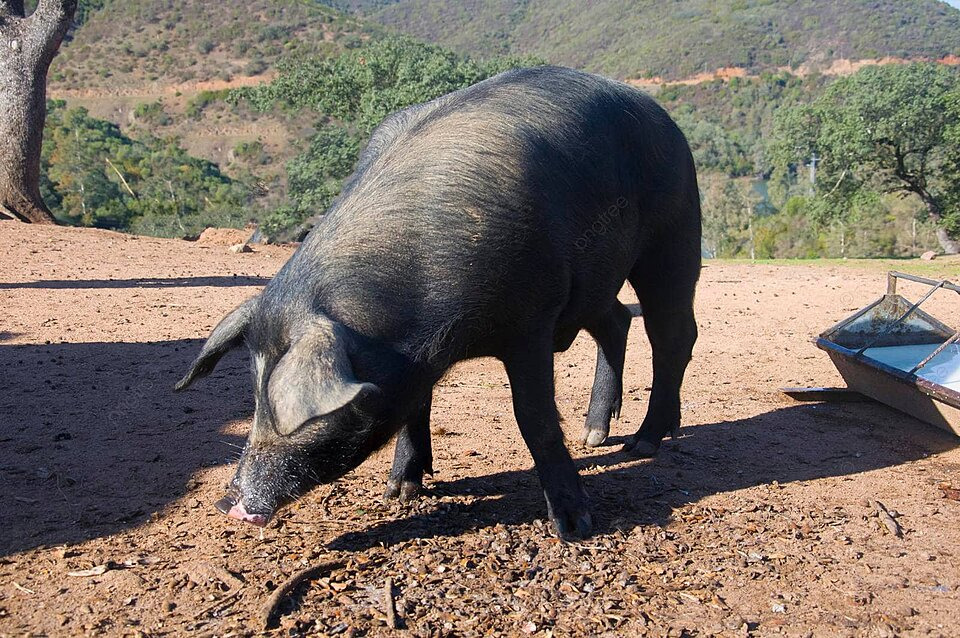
{"x": 412, "y": 458}
{"x": 531, "y": 380}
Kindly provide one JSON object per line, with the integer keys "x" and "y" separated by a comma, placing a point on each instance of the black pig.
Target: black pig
{"x": 498, "y": 220}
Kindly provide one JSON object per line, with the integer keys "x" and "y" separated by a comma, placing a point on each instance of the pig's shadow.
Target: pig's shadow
{"x": 94, "y": 440}
{"x": 795, "y": 443}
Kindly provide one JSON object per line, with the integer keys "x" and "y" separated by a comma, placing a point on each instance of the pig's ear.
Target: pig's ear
{"x": 313, "y": 379}
{"x": 227, "y": 335}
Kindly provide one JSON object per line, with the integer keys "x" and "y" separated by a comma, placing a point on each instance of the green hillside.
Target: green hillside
{"x": 277, "y": 96}
{"x": 129, "y": 43}
{"x": 162, "y": 67}
{"x": 679, "y": 38}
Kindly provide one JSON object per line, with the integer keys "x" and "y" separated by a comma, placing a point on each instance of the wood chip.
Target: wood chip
{"x": 949, "y": 491}
{"x": 390, "y": 605}
{"x": 887, "y": 519}
{"x": 99, "y": 570}
{"x": 308, "y": 573}
{"x": 202, "y": 572}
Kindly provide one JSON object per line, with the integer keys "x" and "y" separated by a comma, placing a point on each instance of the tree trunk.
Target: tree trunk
{"x": 27, "y": 46}
{"x": 949, "y": 245}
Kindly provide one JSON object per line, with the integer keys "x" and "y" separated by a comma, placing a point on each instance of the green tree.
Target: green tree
{"x": 97, "y": 176}
{"x": 728, "y": 123}
{"x": 364, "y": 85}
{"x": 314, "y": 177}
{"x": 153, "y": 114}
{"x": 730, "y": 210}
{"x": 712, "y": 148}
{"x": 77, "y": 143}
{"x": 886, "y": 129}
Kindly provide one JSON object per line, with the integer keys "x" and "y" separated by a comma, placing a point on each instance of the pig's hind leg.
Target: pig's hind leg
{"x": 606, "y": 398}
{"x": 412, "y": 458}
{"x": 530, "y": 370}
{"x": 665, "y": 283}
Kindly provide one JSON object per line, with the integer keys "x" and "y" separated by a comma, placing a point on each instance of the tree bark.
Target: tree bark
{"x": 27, "y": 46}
{"x": 917, "y": 183}
{"x": 949, "y": 245}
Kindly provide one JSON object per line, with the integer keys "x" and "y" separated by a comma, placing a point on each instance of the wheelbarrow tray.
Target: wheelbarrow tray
{"x": 877, "y": 351}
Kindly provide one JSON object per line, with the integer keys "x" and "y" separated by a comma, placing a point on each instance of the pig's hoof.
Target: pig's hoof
{"x": 592, "y": 437}
{"x": 406, "y": 491}
{"x": 573, "y": 526}
{"x": 641, "y": 449}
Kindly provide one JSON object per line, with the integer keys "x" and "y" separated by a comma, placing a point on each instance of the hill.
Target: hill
{"x": 678, "y": 39}
{"x": 139, "y": 123}
{"x": 161, "y": 68}
{"x": 125, "y": 45}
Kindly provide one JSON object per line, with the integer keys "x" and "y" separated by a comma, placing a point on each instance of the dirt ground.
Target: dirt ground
{"x": 760, "y": 520}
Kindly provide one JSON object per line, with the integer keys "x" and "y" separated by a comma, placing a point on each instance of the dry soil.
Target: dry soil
{"x": 760, "y": 520}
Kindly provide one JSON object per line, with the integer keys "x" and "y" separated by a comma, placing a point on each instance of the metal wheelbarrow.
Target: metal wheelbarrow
{"x": 895, "y": 353}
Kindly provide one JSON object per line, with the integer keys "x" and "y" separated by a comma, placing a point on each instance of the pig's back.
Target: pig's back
{"x": 520, "y": 200}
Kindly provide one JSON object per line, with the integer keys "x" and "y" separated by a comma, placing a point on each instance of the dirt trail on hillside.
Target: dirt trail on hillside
{"x": 156, "y": 90}
{"x": 161, "y": 89}
{"x": 758, "y": 521}
{"x": 838, "y": 67}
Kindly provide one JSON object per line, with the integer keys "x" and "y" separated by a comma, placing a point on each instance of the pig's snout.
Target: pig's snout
{"x": 234, "y": 508}
{"x": 240, "y": 513}
{"x": 267, "y": 478}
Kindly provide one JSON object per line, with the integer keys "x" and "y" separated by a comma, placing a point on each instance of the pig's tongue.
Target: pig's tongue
{"x": 234, "y": 508}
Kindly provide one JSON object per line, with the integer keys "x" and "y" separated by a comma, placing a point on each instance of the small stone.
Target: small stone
{"x": 226, "y": 236}
{"x": 67, "y": 552}
{"x": 734, "y": 621}
{"x": 928, "y": 256}
{"x": 906, "y": 611}
{"x": 885, "y": 631}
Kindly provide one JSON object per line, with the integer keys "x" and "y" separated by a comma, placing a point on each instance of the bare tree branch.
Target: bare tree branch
{"x": 46, "y": 27}
{"x": 917, "y": 184}
{"x": 837, "y": 185}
